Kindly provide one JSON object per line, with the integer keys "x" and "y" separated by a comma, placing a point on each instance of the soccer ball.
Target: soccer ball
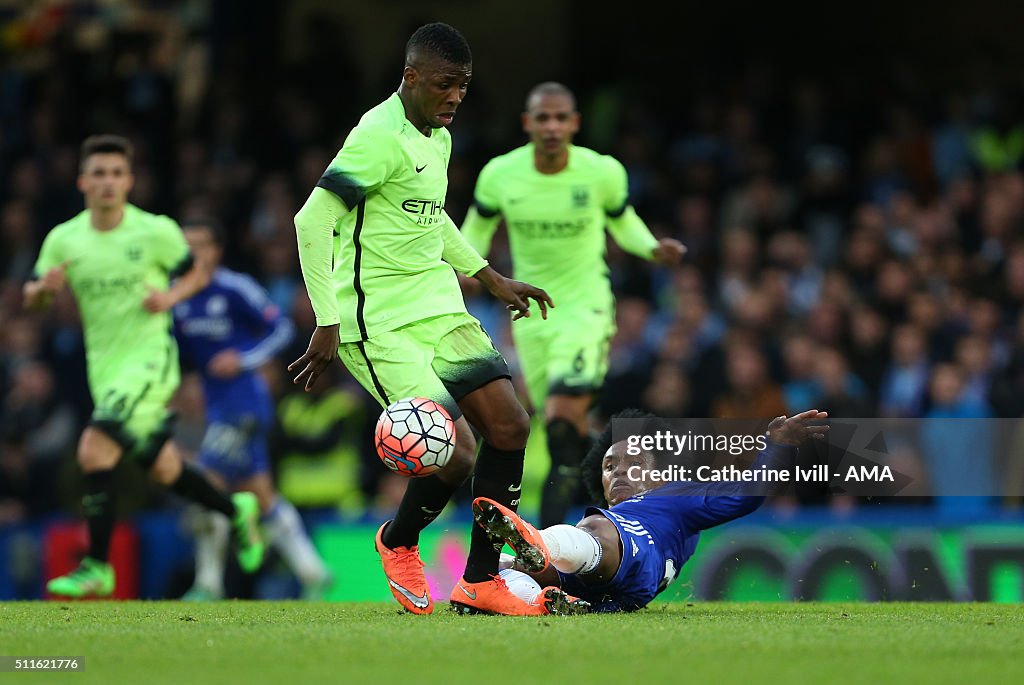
{"x": 415, "y": 437}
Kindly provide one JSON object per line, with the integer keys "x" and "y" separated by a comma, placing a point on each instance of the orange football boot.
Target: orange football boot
{"x": 501, "y": 522}
{"x": 404, "y": 570}
{"x": 491, "y": 597}
{"x": 558, "y": 602}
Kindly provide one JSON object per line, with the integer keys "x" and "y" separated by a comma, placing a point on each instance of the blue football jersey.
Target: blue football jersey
{"x": 659, "y": 531}
{"x": 233, "y": 312}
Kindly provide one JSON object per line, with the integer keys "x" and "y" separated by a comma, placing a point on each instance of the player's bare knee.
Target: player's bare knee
{"x": 91, "y": 461}
{"x": 167, "y": 468}
{"x": 164, "y": 474}
{"x": 97, "y": 451}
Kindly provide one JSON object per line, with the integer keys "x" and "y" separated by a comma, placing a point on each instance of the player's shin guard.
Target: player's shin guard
{"x": 424, "y": 500}
{"x": 572, "y": 550}
{"x": 98, "y": 504}
{"x": 286, "y": 532}
{"x": 194, "y": 486}
{"x": 499, "y": 476}
{"x": 567, "y": 449}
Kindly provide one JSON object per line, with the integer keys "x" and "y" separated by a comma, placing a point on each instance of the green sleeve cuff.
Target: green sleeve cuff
{"x": 478, "y": 229}
{"x": 328, "y": 321}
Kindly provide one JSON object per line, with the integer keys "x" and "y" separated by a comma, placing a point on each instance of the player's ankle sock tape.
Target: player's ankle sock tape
{"x": 98, "y": 504}
{"x": 499, "y": 476}
{"x": 567, "y": 449}
{"x": 194, "y": 486}
{"x": 573, "y": 550}
{"x": 424, "y": 500}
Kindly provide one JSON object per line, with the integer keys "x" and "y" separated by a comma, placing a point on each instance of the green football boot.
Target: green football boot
{"x": 91, "y": 579}
{"x": 247, "y": 531}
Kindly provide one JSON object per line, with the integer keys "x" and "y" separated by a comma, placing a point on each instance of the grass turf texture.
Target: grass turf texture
{"x": 293, "y": 642}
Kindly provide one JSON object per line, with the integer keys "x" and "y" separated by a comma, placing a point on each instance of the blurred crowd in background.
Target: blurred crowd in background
{"x": 855, "y": 242}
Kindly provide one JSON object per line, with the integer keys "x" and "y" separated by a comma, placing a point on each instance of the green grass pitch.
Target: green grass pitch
{"x": 293, "y": 643}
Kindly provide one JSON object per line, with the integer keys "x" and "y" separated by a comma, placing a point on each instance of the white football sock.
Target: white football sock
{"x": 573, "y": 550}
{"x": 286, "y": 532}
{"x": 212, "y": 530}
{"x": 521, "y": 585}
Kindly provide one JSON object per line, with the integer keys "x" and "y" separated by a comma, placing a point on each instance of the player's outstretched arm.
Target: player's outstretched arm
{"x": 253, "y": 308}
{"x": 38, "y": 294}
{"x": 35, "y": 297}
{"x": 632, "y": 235}
{"x": 669, "y": 252}
{"x": 785, "y": 434}
{"x": 197, "y": 277}
{"x": 627, "y": 229}
{"x": 515, "y": 294}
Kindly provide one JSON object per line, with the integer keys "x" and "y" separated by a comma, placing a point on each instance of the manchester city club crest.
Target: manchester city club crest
{"x": 580, "y": 197}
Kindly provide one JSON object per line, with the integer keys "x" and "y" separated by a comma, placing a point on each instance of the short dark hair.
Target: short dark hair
{"x": 550, "y": 88}
{"x": 590, "y": 468}
{"x": 107, "y": 143}
{"x": 207, "y": 223}
{"x": 441, "y": 40}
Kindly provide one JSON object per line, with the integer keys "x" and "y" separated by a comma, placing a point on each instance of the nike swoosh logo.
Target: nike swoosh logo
{"x": 515, "y": 488}
{"x": 471, "y": 595}
{"x": 420, "y": 168}
{"x": 420, "y": 602}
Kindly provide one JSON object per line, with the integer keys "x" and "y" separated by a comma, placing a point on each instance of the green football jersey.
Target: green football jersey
{"x": 110, "y": 273}
{"x": 394, "y": 245}
{"x": 556, "y": 222}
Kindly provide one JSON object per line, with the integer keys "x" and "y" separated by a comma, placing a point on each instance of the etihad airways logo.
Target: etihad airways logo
{"x": 550, "y": 229}
{"x": 107, "y": 287}
{"x": 425, "y": 212}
